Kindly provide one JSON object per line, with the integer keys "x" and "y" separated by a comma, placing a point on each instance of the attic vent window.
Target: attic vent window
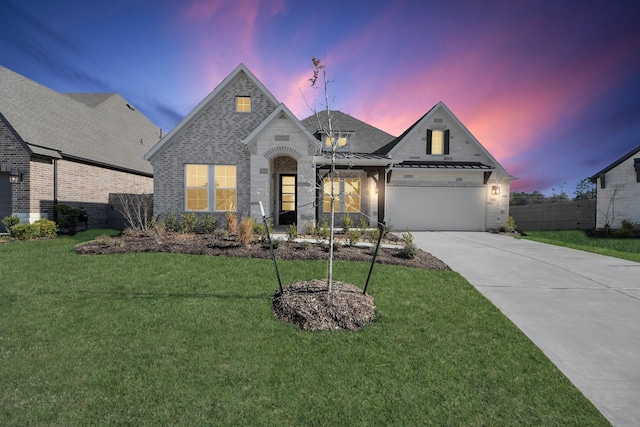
{"x": 130, "y": 107}
{"x": 243, "y": 104}
{"x": 437, "y": 120}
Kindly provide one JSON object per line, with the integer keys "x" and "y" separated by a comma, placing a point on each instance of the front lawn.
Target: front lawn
{"x": 167, "y": 339}
{"x": 628, "y": 249}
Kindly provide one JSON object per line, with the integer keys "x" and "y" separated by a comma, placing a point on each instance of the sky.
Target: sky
{"x": 550, "y": 87}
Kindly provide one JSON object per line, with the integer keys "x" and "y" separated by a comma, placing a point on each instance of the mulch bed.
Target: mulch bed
{"x": 306, "y": 304}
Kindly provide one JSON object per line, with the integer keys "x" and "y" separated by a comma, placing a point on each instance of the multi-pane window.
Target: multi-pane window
{"x": 347, "y": 193}
{"x": 197, "y": 184}
{"x": 199, "y": 191}
{"x": 243, "y": 104}
{"x": 340, "y": 142}
{"x": 225, "y": 193}
{"x": 437, "y": 142}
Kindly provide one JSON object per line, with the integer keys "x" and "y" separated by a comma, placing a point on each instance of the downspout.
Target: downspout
{"x": 55, "y": 189}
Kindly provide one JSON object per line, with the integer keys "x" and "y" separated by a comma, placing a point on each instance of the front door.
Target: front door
{"x": 5, "y": 198}
{"x": 287, "y": 199}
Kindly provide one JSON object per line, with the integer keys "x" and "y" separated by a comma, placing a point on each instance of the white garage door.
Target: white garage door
{"x": 436, "y": 208}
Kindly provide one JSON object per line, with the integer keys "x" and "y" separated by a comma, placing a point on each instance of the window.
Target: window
{"x": 340, "y": 141}
{"x": 347, "y": 194}
{"x": 225, "y": 188}
{"x": 437, "y": 142}
{"x": 243, "y": 104}
{"x": 199, "y": 192}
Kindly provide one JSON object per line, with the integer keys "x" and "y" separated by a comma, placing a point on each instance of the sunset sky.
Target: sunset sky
{"x": 550, "y": 88}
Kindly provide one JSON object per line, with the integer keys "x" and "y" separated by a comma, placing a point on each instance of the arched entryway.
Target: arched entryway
{"x": 285, "y": 190}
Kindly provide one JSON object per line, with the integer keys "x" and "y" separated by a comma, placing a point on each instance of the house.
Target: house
{"x": 241, "y": 150}
{"x": 618, "y": 191}
{"x": 70, "y": 149}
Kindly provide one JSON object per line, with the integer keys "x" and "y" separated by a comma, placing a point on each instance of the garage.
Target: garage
{"x": 5, "y": 198}
{"x": 436, "y": 208}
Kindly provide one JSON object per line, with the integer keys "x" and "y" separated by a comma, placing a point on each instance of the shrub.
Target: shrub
{"x": 246, "y": 231}
{"x": 47, "y": 228}
{"x": 309, "y": 226}
{"x": 388, "y": 228}
{"x": 10, "y": 221}
{"x": 629, "y": 225}
{"x": 510, "y": 225}
{"x": 209, "y": 223}
{"x": 354, "y": 236}
{"x": 231, "y": 222}
{"x": 347, "y": 223}
{"x": 409, "y": 250}
{"x": 322, "y": 230}
{"x": 189, "y": 222}
{"x": 292, "y": 232}
{"x": 68, "y": 217}
{"x": 364, "y": 224}
{"x": 303, "y": 246}
{"x": 171, "y": 222}
{"x": 374, "y": 235}
{"x": 25, "y": 231}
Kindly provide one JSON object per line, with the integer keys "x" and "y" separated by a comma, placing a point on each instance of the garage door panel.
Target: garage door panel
{"x": 436, "y": 208}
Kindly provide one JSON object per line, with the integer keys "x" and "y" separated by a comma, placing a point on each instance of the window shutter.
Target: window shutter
{"x": 429, "y": 132}
{"x": 446, "y": 141}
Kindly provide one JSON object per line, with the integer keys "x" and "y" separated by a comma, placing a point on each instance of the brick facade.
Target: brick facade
{"x": 214, "y": 137}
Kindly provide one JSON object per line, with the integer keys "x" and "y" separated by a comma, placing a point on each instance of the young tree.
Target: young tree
{"x": 319, "y": 81}
{"x": 585, "y": 190}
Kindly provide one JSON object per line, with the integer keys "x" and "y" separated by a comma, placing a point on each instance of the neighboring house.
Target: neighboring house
{"x": 618, "y": 191}
{"x": 240, "y": 148}
{"x": 70, "y": 149}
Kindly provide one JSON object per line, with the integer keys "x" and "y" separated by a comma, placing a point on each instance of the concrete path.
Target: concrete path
{"x": 581, "y": 309}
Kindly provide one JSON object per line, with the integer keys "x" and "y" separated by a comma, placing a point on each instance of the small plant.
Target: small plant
{"x": 10, "y": 221}
{"x": 47, "y": 228}
{"x": 209, "y": 223}
{"x": 303, "y": 245}
{"x": 246, "y": 231}
{"x": 231, "y": 222}
{"x": 189, "y": 222}
{"x": 374, "y": 235}
{"x": 409, "y": 250}
{"x": 388, "y": 228}
{"x": 107, "y": 240}
{"x": 68, "y": 217}
{"x": 364, "y": 224}
{"x": 322, "y": 231}
{"x": 347, "y": 223}
{"x": 354, "y": 236}
{"x": 510, "y": 225}
{"x": 309, "y": 226}
{"x": 292, "y": 232}
{"x": 25, "y": 232}
{"x": 171, "y": 222}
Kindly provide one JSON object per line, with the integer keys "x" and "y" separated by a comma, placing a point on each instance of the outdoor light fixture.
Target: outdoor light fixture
{"x": 495, "y": 190}
{"x": 15, "y": 176}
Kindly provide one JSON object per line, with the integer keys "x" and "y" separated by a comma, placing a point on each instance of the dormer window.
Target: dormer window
{"x": 243, "y": 104}
{"x": 437, "y": 142}
{"x": 339, "y": 141}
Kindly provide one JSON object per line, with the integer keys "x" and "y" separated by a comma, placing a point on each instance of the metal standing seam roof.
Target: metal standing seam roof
{"x": 443, "y": 165}
{"x": 103, "y": 129}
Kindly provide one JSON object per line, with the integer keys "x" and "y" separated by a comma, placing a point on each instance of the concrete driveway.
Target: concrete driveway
{"x": 581, "y": 309}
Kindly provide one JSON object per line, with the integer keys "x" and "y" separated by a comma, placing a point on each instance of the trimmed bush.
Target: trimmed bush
{"x": 47, "y": 228}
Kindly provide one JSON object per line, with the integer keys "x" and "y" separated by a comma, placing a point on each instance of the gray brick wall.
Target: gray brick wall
{"x": 213, "y": 137}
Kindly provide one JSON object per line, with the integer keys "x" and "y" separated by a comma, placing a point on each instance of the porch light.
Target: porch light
{"x": 15, "y": 176}
{"x": 495, "y": 190}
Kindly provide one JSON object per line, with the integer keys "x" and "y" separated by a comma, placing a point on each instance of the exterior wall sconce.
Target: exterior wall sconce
{"x": 495, "y": 190}
{"x": 15, "y": 176}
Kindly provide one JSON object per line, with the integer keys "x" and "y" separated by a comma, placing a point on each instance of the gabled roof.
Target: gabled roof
{"x": 108, "y": 133}
{"x": 281, "y": 109}
{"x": 367, "y": 138}
{"x": 390, "y": 148}
{"x": 195, "y": 113}
{"x": 631, "y": 153}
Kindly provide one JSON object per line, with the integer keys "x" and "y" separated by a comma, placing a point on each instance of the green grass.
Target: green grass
{"x": 166, "y": 339}
{"x": 628, "y": 249}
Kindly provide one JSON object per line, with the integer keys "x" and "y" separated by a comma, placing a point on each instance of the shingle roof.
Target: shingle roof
{"x": 633, "y": 152}
{"x": 365, "y": 138}
{"x": 97, "y": 128}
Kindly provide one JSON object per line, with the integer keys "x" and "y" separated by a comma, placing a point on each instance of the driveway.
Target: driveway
{"x": 581, "y": 309}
